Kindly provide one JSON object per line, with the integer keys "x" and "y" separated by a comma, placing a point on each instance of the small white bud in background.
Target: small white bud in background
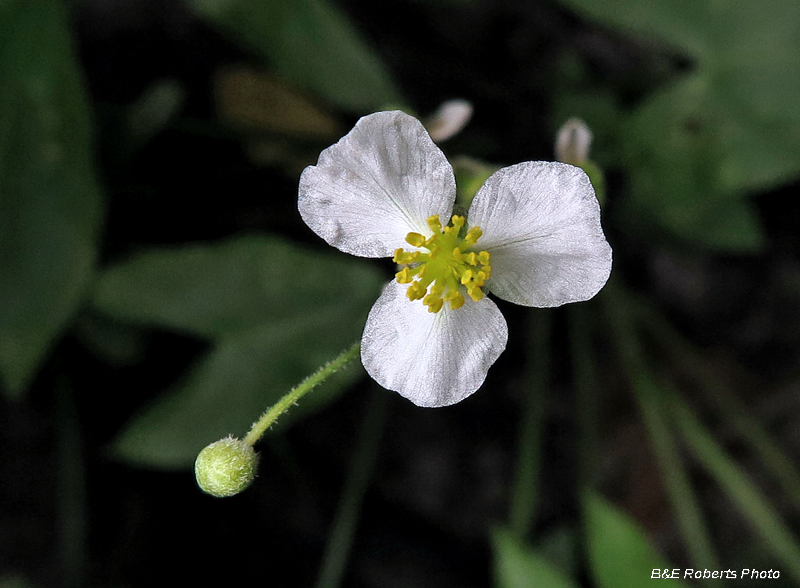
{"x": 573, "y": 141}
{"x": 448, "y": 120}
{"x": 226, "y": 467}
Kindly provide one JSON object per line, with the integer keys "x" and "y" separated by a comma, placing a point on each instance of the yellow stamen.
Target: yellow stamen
{"x": 447, "y": 269}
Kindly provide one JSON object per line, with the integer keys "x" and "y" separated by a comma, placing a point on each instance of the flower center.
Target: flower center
{"x": 448, "y": 267}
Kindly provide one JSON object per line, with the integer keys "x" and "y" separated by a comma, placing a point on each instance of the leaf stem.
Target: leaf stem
{"x": 296, "y": 393}
{"x": 340, "y": 539}
{"x": 72, "y": 487}
{"x": 648, "y": 395}
{"x": 740, "y": 488}
{"x": 729, "y": 404}
{"x": 526, "y": 478}
{"x": 585, "y": 378}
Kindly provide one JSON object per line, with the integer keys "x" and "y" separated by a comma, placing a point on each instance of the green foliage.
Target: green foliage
{"x": 518, "y": 566}
{"x": 648, "y": 394}
{"x": 14, "y": 581}
{"x": 311, "y": 43}
{"x": 50, "y": 206}
{"x": 620, "y": 555}
{"x": 776, "y": 536}
{"x": 221, "y": 289}
{"x": 731, "y": 126}
{"x": 274, "y": 312}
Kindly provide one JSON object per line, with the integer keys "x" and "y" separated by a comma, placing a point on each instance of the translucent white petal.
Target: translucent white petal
{"x": 433, "y": 359}
{"x": 379, "y": 182}
{"x": 541, "y": 224}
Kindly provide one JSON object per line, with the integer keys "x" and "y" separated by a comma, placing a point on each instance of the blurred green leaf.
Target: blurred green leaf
{"x": 221, "y": 289}
{"x": 276, "y": 312}
{"x": 14, "y": 580}
{"x": 730, "y": 127}
{"x": 732, "y": 409}
{"x": 311, "y": 43}
{"x": 153, "y": 110}
{"x": 620, "y": 555}
{"x": 620, "y": 308}
{"x": 260, "y": 102}
{"x": 776, "y": 536}
{"x": 50, "y": 205}
{"x": 517, "y": 565}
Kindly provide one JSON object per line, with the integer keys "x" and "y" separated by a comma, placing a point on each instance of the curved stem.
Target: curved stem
{"x": 296, "y": 393}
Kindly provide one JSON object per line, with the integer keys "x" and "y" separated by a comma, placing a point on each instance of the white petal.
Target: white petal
{"x": 541, "y": 224}
{"x": 433, "y": 359}
{"x": 379, "y": 182}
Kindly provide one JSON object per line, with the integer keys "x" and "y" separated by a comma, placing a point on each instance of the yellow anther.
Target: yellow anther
{"x": 472, "y": 236}
{"x": 416, "y": 291}
{"x": 455, "y": 298}
{"x": 415, "y": 239}
{"x": 447, "y": 269}
{"x": 434, "y": 302}
{"x": 475, "y": 293}
{"x": 434, "y": 224}
{"x": 404, "y": 276}
{"x": 404, "y": 257}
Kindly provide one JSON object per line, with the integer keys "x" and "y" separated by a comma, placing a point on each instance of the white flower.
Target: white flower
{"x": 533, "y": 236}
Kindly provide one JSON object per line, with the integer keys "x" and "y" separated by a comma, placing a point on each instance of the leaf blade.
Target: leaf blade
{"x": 620, "y": 555}
{"x": 311, "y": 43}
{"x": 519, "y": 566}
{"x": 50, "y": 204}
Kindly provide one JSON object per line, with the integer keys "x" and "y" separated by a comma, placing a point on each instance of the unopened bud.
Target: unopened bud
{"x": 226, "y": 467}
{"x": 573, "y": 141}
{"x": 448, "y": 120}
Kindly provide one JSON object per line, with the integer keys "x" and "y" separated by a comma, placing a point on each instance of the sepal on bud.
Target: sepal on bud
{"x": 226, "y": 467}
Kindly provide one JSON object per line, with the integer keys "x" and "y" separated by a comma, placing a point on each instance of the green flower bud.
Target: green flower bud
{"x": 226, "y": 467}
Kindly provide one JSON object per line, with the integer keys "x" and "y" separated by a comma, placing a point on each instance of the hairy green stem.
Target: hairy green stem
{"x": 296, "y": 393}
